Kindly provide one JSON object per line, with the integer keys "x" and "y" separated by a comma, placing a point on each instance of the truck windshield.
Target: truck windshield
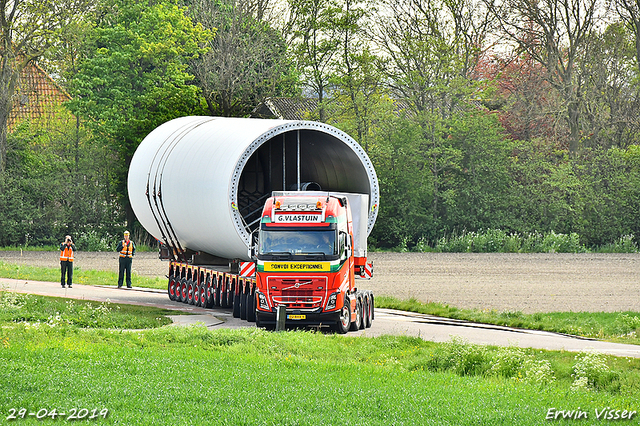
{"x": 297, "y": 242}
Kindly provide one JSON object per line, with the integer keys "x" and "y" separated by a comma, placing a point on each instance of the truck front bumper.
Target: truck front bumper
{"x": 297, "y": 318}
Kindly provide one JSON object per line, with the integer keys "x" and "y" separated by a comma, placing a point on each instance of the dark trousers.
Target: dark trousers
{"x": 66, "y": 268}
{"x": 125, "y": 266}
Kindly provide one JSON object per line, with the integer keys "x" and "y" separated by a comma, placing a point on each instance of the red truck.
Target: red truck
{"x": 306, "y": 260}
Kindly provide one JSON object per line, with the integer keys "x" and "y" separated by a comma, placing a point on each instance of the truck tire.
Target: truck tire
{"x": 367, "y": 312}
{"x": 203, "y": 296}
{"x": 355, "y": 326}
{"x": 243, "y": 306}
{"x": 363, "y": 313}
{"x": 251, "y": 307}
{"x": 171, "y": 288}
{"x": 231, "y": 296}
{"x": 183, "y": 290}
{"x": 210, "y": 291}
{"x": 236, "y": 305}
{"x": 196, "y": 294}
{"x": 216, "y": 293}
{"x": 190, "y": 290}
{"x": 342, "y": 326}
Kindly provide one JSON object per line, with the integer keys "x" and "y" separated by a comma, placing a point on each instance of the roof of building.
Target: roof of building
{"x": 305, "y": 108}
{"x": 286, "y": 108}
{"x": 38, "y": 94}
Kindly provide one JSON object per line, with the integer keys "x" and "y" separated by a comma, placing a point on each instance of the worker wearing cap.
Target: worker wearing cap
{"x": 67, "y": 249}
{"x": 127, "y": 249}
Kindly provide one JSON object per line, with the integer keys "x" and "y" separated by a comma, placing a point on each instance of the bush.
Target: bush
{"x": 91, "y": 241}
{"x": 591, "y": 372}
{"x": 624, "y": 244}
{"x": 461, "y": 357}
{"x": 498, "y": 241}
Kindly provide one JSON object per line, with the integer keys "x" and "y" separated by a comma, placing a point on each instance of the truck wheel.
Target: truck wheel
{"x": 209, "y": 292}
{"x": 251, "y": 307}
{"x": 196, "y": 295}
{"x": 342, "y": 326}
{"x": 363, "y": 313}
{"x": 355, "y": 326}
{"x": 236, "y": 305}
{"x": 367, "y": 312}
{"x": 231, "y": 296}
{"x": 171, "y": 289}
{"x": 216, "y": 301}
{"x": 203, "y": 296}
{"x": 243, "y": 306}
{"x": 182, "y": 291}
{"x": 190, "y": 289}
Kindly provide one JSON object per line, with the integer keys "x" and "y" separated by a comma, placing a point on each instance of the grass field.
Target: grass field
{"x": 68, "y": 357}
{"x": 193, "y": 376}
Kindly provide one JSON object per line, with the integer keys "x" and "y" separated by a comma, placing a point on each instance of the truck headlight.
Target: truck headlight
{"x": 262, "y": 300}
{"x": 331, "y": 303}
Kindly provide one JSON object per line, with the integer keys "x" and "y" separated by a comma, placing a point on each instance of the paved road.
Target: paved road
{"x": 387, "y": 321}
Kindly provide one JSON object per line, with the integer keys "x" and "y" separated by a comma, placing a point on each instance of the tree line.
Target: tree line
{"x": 477, "y": 114}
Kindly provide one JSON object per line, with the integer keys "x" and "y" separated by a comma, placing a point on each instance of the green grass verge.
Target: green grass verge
{"x": 36, "y": 311}
{"x": 614, "y": 326}
{"x": 80, "y": 276}
{"x": 194, "y": 376}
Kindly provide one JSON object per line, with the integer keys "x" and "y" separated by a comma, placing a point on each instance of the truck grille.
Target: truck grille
{"x": 300, "y": 293}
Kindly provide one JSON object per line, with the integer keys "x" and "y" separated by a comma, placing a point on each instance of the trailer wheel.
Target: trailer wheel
{"x": 182, "y": 293}
{"x": 171, "y": 289}
{"x": 243, "y": 306}
{"x": 203, "y": 296}
{"x": 216, "y": 292}
{"x": 355, "y": 326}
{"x": 342, "y": 326}
{"x": 196, "y": 295}
{"x": 209, "y": 292}
{"x": 190, "y": 290}
{"x": 251, "y": 307}
{"x": 230, "y": 296}
{"x": 236, "y": 305}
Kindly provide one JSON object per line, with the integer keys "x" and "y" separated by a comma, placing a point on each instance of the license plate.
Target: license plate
{"x": 296, "y": 317}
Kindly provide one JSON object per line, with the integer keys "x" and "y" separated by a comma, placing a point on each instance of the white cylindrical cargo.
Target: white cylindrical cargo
{"x": 201, "y": 182}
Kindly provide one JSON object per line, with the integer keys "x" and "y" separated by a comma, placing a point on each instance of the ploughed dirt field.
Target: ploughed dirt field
{"x": 505, "y": 282}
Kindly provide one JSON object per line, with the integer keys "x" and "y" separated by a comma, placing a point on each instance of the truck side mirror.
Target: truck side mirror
{"x": 253, "y": 244}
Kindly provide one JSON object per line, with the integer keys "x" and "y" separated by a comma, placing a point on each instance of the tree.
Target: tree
{"x": 134, "y": 76}
{"x": 357, "y": 86}
{"x": 523, "y": 98}
{"x": 611, "y": 105}
{"x": 552, "y": 32}
{"x": 27, "y": 29}
{"x": 246, "y": 62}
{"x": 315, "y": 40}
{"x": 629, "y": 11}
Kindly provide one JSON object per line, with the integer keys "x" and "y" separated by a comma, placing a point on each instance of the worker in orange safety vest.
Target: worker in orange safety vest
{"x": 67, "y": 249}
{"x": 127, "y": 250}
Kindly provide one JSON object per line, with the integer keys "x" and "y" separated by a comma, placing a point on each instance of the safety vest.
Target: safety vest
{"x": 127, "y": 249}
{"x": 66, "y": 253}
